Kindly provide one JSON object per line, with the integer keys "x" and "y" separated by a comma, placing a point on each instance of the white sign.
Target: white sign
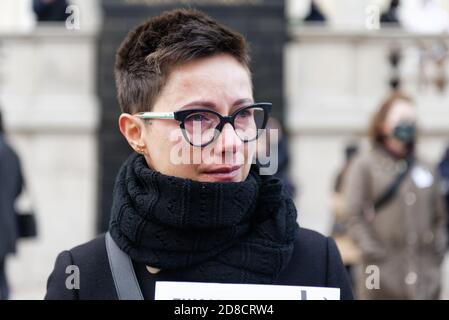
{"x": 167, "y": 290}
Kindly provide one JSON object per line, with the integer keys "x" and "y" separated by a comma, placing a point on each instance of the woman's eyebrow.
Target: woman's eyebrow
{"x": 242, "y": 101}
{"x": 209, "y": 104}
{"x": 200, "y": 103}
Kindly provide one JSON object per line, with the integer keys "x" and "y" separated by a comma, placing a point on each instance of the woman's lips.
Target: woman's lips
{"x": 223, "y": 173}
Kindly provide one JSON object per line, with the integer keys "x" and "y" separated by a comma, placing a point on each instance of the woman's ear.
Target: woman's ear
{"x": 133, "y": 130}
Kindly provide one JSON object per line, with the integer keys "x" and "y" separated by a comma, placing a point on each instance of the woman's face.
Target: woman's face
{"x": 218, "y": 83}
{"x": 401, "y": 112}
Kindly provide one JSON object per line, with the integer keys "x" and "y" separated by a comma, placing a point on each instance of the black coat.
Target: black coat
{"x": 10, "y": 188}
{"x": 444, "y": 171}
{"x": 315, "y": 262}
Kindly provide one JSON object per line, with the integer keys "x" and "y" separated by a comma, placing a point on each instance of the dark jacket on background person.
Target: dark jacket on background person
{"x": 10, "y": 188}
{"x": 444, "y": 171}
{"x": 406, "y": 237}
{"x": 192, "y": 231}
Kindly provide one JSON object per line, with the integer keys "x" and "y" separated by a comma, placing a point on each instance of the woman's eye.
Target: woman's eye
{"x": 202, "y": 118}
{"x": 198, "y": 117}
{"x": 244, "y": 113}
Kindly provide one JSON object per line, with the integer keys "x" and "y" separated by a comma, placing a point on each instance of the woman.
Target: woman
{"x": 349, "y": 251}
{"x": 395, "y": 210}
{"x": 188, "y": 205}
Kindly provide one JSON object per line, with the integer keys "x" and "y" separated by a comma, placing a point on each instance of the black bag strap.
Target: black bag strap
{"x": 122, "y": 270}
{"x": 394, "y": 187}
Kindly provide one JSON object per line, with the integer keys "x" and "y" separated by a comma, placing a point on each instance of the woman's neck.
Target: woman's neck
{"x": 396, "y": 148}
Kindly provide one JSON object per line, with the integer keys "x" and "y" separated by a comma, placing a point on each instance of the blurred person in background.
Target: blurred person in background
{"x": 213, "y": 220}
{"x": 10, "y": 188}
{"x": 349, "y": 251}
{"x": 444, "y": 171}
{"x": 396, "y": 210}
{"x": 266, "y": 144}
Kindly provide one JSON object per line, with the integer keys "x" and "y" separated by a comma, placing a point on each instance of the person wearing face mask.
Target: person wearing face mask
{"x": 395, "y": 210}
{"x": 188, "y": 203}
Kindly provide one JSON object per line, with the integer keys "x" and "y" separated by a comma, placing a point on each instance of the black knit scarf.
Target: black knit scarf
{"x": 231, "y": 232}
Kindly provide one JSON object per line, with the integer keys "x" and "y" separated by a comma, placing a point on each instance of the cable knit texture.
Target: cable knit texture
{"x": 231, "y": 232}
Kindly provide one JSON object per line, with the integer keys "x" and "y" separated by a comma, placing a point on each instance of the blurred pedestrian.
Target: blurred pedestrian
{"x": 10, "y": 188}
{"x": 396, "y": 210}
{"x": 274, "y": 148}
{"x": 444, "y": 171}
{"x": 349, "y": 251}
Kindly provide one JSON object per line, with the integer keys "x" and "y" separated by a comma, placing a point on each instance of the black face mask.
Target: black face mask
{"x": 405, "y": 132}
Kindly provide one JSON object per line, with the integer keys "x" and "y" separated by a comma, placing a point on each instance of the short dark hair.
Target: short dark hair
{"x": 148, "y": 53}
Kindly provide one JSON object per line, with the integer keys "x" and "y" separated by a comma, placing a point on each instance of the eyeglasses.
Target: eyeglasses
{"x": 201, "y": 127}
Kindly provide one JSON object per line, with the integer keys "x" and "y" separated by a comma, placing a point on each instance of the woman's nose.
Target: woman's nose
{"x": 228, "y": 141}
